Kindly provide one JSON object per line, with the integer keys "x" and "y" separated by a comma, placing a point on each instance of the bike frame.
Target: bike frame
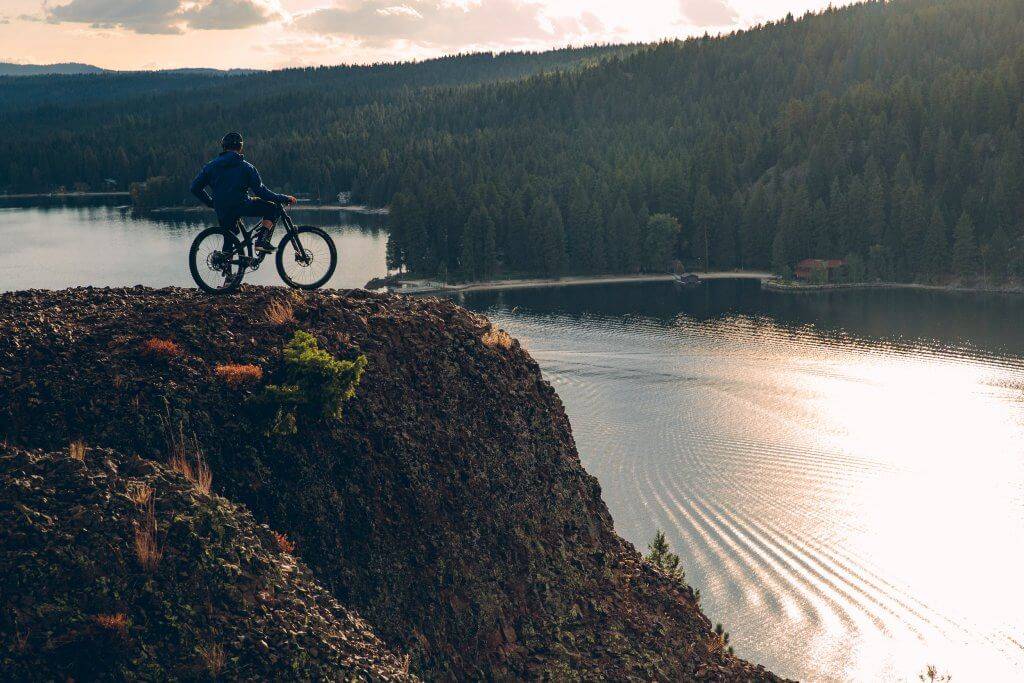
{"x": 247, "y": 243}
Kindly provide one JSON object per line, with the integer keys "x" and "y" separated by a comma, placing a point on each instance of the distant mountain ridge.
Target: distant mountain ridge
{"x": 78, "y": 69}
{"x": 63, "y": 69}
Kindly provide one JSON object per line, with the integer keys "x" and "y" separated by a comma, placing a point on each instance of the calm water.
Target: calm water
{"x": 66, "y": 245}
{"x": 842, "y": 474}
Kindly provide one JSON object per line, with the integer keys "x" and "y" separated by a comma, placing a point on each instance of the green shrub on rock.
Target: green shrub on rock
{"x": 662, "y": 557}
{"x": 315, "y": 384}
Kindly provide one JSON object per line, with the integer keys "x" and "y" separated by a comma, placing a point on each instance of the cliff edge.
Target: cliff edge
{"x": 446, "y": 505}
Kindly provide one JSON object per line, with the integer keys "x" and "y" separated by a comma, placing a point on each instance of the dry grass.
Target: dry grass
{"x": 280, "y": 312}
{"x": 160, "y": 348}
{"x": 283, "y": 544}
{"x": 117, "y": 623}
{"x": 236, "y": 376}
{"x": 147, "y": 545}
{"x": 139, "y": 492}
{"x": 213, "y": 658}
{"x": 187, "y": 458}
{"x": 194, "y": 469}
{"x": 76, "y": 449}
{"x": 497, "y": 338}
{"x": 406, "y": 663}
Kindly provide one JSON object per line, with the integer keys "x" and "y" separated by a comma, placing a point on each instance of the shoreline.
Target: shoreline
{"x": 432, "y": 287}
{"x": 63, "y": 195}
{"x": 353, "y": 208}
{"x": 771, "y": 285}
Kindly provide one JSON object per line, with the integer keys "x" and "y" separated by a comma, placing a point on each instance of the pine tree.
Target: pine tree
{"x": 598, "y": 248}
{"x": 965, "y": 248}
{"x": 822, "y": 232}
{"x": 857, "y": 238}
{"x": 536, "y": 235}
{"x": 935, "y": 249}
{"x": 661, "y": 556}
{"x": 724, "y": 246}
{"x": 755, "y": 246}
{"x": 624, "y": 234}
{"x": 780, "y": 253}
{"x": 659, "y": 242}
{"x": 516, "y": 236}
{"x": 997, "y": 251}
{"x": 393, "y": 257}
{"x": 471, "y": 258}
{"x": 876, "y": 210}
{"x": 837, "y": 218}
{"x": 796, "y": 223}
{"x": 488, "y": 246}
{"x": 703, "y": 225}
{"x": 909, "y": 233}
{"x": 578, "y": 231}
{"x": 553, "y": 241}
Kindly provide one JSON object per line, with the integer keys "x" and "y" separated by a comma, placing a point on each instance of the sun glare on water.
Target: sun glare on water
{"x": 852, "y": 508}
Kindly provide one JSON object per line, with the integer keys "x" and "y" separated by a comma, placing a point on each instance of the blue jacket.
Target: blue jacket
{"x": 231, "y": 178}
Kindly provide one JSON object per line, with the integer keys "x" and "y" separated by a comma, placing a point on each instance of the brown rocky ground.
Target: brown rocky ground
{"x": 448, "y": 506}
{"x": 223, "y": 600}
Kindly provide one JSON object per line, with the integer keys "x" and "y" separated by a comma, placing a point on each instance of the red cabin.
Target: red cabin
{"x": 832, "y": 268}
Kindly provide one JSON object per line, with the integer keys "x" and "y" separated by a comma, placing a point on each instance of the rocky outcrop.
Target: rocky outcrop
{"x": 219, "y": 596}
{"x": 447, "y": 506}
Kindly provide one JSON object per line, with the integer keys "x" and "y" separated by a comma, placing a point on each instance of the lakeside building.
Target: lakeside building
{"x": 820, "y": 271}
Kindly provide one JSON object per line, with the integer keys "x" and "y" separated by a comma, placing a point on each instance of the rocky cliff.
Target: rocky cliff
{"x": 447, "y": 505}
{"x": 219, "y": 597}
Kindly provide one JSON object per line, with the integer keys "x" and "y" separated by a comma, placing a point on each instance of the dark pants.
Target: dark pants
{"x": 252, "y": 208}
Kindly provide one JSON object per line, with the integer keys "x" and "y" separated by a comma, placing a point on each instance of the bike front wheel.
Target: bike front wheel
{"x": 216, "y": 261}
{"x": 306, "y": 258}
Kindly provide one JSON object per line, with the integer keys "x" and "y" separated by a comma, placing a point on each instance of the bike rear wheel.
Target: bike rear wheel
{"x": 307, "y": 258}
{"x": 216, "y": 261}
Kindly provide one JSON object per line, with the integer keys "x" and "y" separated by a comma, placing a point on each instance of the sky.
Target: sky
{"x": 266, "y": 34}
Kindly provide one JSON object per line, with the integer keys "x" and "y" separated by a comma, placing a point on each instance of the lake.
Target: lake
{"x": 83, "y": 242}
{"x": 842, "y": 473}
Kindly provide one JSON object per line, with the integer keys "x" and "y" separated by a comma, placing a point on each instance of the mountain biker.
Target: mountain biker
{"x": 232, "y": 178}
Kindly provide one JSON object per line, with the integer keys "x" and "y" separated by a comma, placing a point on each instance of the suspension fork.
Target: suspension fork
{"x": 293, "y": 234}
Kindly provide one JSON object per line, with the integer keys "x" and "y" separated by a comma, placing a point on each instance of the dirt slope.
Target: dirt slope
{"x": 448, "y": 506}
{"x": 223, "y": 599}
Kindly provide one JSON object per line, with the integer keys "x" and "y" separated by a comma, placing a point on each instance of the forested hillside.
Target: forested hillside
{"x": 885, "y": 133}
{"x": 297, "y": 92}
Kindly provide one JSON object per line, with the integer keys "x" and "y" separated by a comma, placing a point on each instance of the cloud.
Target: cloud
{"x": 708, "y": 12}
{"x": 444, "y": 23}
{"x": 141, "y": 16}
{"x": 166, "y": 16}
{"x": 232, "y": 14}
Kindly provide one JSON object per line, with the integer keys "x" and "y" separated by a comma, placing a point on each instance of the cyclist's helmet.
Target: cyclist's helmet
{"x": 231, "y": 141}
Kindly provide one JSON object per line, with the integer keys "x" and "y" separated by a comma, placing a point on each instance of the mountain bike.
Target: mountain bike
{"x": 219, "y": 258}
